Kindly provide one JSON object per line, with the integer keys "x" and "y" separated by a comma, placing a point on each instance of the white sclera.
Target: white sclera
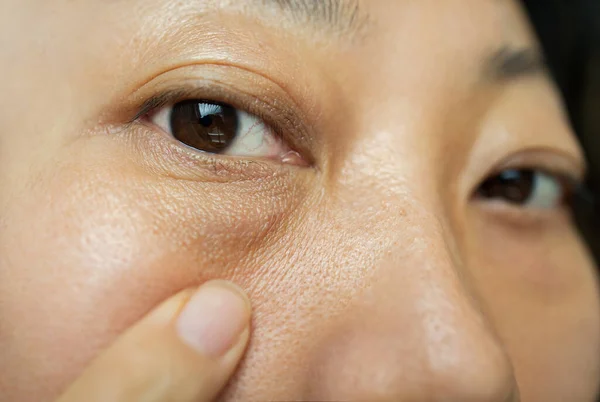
{"x": 547, "y": 192}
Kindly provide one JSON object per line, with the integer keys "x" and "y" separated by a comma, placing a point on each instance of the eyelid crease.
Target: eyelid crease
{"x": 158, "y": 101}
{"x": 560, "y": 164}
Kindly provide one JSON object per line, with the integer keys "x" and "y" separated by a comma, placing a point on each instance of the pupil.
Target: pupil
{"x": 206, "y": 121}
{"x": 515, "y": 186}
{"x": 208, "y": 127}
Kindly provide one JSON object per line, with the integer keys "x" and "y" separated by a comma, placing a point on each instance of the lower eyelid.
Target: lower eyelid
{"x": 159, "y": 154}
{"x": 524, "y": 219}
{"x": 163, "y": 154}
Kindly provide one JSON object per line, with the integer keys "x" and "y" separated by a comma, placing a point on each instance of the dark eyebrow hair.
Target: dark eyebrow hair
{"x": 335, "y": 16}
{"x": 345, "y": 17}
{"x": 509, "y": 64}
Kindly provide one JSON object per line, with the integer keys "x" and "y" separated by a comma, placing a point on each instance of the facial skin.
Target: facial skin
{"x": 375, "y": 270}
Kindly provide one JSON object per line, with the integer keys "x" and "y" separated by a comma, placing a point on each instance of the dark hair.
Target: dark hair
{"x": 570, "y": 33}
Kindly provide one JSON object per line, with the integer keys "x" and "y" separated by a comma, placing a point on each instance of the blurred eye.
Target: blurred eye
{"x": 526, "y": 188}
{"x": 220, "y": 129}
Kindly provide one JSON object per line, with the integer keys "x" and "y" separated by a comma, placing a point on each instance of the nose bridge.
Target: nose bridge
{"x": 416, "y": 333}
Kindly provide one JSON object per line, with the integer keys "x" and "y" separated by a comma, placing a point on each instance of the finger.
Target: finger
{"x": 185, "y": 350}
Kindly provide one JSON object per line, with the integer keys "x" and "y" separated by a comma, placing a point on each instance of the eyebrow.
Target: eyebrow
{"x": 342, "y": 17}
{"x": 509, "y": 64}
{"x": 346, "y": 17}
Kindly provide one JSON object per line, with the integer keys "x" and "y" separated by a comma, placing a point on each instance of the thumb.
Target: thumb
{"x": 184, "y": 350}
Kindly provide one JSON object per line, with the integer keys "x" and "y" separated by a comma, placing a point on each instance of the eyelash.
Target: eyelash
{"x": 524, "y": 214}
{"x": 172, "y": 97}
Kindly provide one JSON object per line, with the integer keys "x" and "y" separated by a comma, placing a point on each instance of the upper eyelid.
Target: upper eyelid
{"x": 223, "y": 91}
{"x": 550, "y": 160}
{"x": 182, "y": 92}
{"x": 563, "y": 166}
{"x": 170, "y": 98}
{"x": 159, "y": 101}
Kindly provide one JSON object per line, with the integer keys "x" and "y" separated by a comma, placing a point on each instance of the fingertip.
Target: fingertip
{"x": 215, "y": 319}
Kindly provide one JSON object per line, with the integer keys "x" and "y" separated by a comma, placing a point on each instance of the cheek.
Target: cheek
{"x": 546, "y": 310}
{"x": 82, "y": 262}
{"x": 74, "y": 257}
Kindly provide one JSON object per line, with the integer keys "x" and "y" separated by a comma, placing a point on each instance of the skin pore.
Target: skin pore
{"x": 363, "y": 216}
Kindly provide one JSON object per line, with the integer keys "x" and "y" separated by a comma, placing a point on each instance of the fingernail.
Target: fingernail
{"x": 214, "y": 318}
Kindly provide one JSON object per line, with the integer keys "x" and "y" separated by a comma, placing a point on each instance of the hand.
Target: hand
{"x": 184, "y": 350}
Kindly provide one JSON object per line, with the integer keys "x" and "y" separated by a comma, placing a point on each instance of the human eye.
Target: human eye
{"x": 533, "y": 189}
{"x": 213, "y": 127}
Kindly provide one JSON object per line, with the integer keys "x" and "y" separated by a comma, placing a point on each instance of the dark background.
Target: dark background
{"x": 570, "y": 33}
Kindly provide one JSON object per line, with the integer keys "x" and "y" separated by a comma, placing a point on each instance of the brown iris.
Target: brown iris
{"x": 208, "y": 127}
{"x": 514, "y": 186}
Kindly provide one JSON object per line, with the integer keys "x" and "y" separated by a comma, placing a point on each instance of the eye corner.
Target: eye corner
{"x": 559, "y": 162}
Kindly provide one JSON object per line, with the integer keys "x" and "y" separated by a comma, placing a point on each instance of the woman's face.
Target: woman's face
{"x": 387, "y": 179}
